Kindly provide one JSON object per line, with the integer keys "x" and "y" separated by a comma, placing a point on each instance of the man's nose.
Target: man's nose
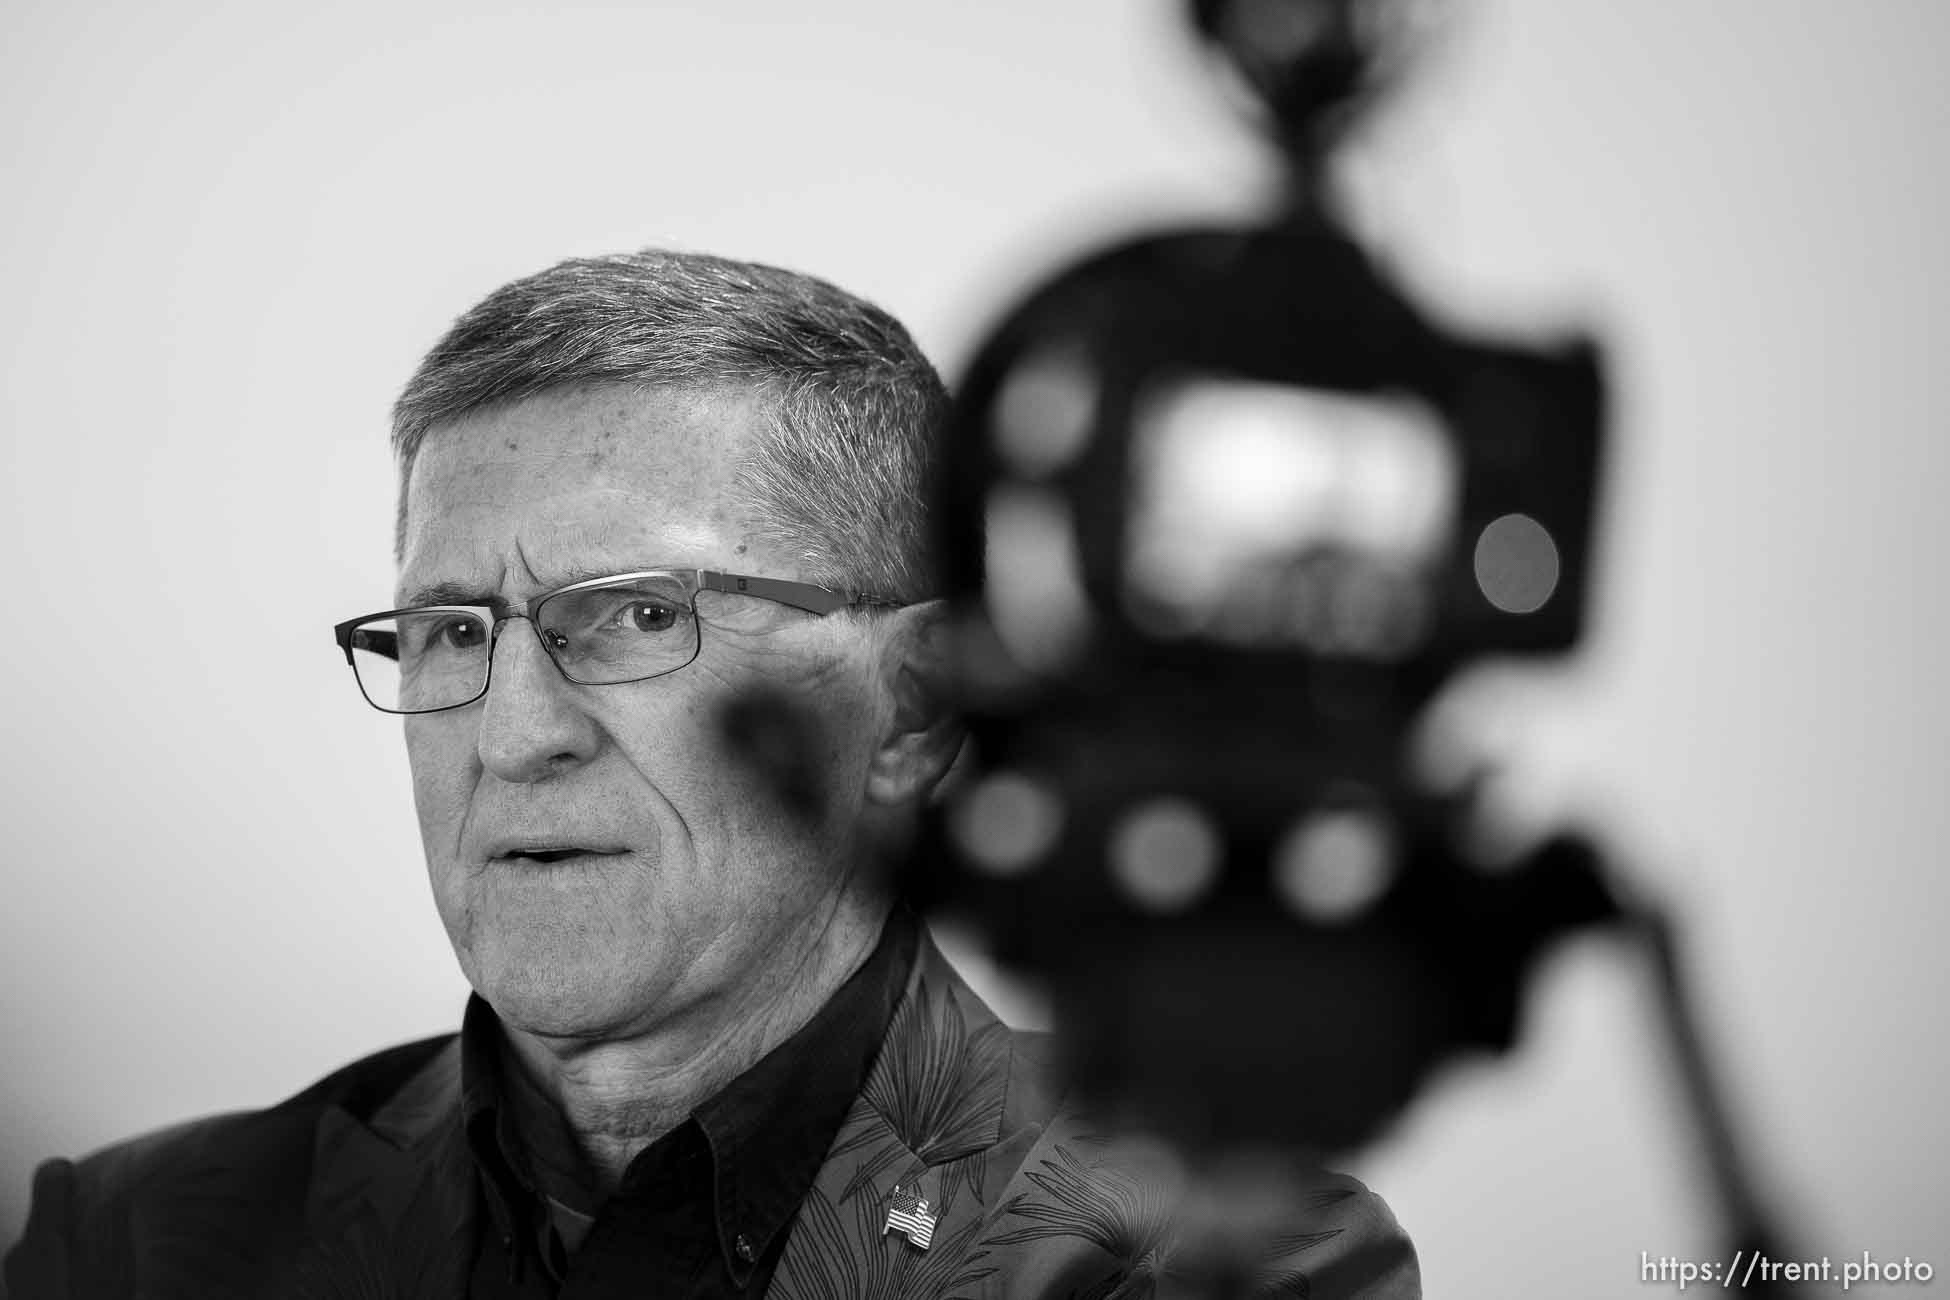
{"x": 532, "y": 723}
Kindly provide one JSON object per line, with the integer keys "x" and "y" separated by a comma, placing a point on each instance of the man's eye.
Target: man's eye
{"x": 648, "y": 616}
{"x": 462, "y": 634}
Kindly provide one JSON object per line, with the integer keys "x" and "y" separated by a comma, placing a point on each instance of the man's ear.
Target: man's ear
{"x": 923, "y": 731}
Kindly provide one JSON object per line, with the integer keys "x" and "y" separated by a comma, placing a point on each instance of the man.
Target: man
{"x": 669, "y": 678}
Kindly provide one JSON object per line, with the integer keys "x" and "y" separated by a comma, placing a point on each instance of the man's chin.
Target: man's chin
{"x": 554, "y": 994}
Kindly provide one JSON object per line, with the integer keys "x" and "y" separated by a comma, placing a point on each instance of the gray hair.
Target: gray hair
{"x": 840, "y": 475}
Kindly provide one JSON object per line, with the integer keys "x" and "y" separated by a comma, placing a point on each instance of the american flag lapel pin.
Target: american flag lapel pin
{"x": 911, "y": 1216}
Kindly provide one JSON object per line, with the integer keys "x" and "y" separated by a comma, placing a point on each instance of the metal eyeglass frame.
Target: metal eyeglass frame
{"x": 805, "y": 596}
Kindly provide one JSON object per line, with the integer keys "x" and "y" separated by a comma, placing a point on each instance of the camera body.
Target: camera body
{"x": 1220, "y": 513}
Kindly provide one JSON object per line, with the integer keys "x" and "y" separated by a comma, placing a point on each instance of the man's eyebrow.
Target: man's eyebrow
{"x": 447, "y": 593}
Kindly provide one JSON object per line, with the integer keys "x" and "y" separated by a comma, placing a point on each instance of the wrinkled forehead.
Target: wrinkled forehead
{"x": 581, "y": 478}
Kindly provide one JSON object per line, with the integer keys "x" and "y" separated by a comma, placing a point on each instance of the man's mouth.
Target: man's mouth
{"x": 551, "y": 853}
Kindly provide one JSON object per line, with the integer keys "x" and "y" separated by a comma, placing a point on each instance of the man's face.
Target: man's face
{"x": 700, "y": 886}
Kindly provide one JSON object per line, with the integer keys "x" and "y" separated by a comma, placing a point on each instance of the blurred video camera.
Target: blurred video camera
{"x": 1222, "y": 510}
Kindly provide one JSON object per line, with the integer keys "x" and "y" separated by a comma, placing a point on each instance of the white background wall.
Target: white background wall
{"x": 230, "y": 229}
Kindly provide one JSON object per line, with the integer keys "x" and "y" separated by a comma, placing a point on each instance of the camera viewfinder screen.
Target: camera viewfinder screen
{"x": 1263, "y": 513}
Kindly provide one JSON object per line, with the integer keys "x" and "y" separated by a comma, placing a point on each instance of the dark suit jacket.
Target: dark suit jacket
{"x": 362, "y": 1186}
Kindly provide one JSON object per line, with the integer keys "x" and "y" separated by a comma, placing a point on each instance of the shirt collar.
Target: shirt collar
{"x": 768, "y": 1130}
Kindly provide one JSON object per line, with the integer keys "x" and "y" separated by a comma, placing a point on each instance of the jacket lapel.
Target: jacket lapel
{"x": 393, "y": 1208}
{"x": 926, "y": 1120}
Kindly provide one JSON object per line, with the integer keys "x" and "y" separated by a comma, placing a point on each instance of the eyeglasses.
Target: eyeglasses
{"x": 600, "y": 632}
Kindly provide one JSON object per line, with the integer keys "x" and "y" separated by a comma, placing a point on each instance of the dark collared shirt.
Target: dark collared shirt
{"x": 703, "y": 1210}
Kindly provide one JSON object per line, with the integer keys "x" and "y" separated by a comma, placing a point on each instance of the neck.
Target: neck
{"x": 619, "y": 1095}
